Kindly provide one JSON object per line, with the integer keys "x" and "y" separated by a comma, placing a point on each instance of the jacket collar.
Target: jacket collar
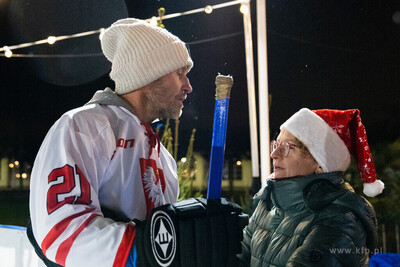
{"x": 294, "y": 192}
{"x": 109, "y": 97}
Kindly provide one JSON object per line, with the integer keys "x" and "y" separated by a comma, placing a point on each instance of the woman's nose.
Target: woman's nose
{"x": 275, "y": 153}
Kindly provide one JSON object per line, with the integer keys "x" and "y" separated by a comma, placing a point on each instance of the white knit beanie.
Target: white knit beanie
{"x": 141, "y": 53}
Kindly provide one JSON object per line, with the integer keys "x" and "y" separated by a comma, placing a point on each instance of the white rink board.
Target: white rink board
{"x": 15, "y": 248}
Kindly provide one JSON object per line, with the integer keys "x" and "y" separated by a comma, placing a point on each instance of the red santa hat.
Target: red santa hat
{"x": 332, "y": 136}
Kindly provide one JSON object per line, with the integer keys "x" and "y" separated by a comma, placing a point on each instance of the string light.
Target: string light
{"x": 244, "y": 8}
{"x": 208, "y": 9}
{"x": 52, "y": 39}
{"x": 7, "y": 51}
{"x": 199, "y": 10}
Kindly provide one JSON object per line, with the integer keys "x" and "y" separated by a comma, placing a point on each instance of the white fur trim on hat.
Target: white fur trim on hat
{"x": 327, "y": 148}
{"x": 141, "y": 53}
{"x": 373, "y": 189}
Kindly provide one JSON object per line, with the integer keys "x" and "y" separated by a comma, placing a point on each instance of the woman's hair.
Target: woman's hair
{"x": 301, "y": 146}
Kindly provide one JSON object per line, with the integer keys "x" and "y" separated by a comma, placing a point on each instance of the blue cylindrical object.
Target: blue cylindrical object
{"x": 218, "y": 148}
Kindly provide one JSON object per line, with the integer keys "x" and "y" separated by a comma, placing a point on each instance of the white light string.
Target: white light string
{"x": 49, "y": 40}
{"x": 31, "y": 55}
{"x": 208, "y": 9}
{"x": 52, "y": 39}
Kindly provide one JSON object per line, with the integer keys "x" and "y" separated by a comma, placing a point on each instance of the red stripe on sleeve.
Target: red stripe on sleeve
{"x": 65, "y": 246}
{"x": 59, "y": 228}
{"x": 125, "y": 246}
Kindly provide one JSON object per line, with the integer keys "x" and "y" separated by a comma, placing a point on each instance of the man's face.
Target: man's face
{"x": 167, "y": 94}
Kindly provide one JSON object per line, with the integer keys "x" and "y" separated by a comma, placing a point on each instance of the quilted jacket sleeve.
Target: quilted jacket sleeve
{"x": 261, "y": 226}
{"x": 247, "y": 236}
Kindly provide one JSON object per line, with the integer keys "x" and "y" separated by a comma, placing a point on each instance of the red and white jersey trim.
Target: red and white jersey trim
{"x": 97, "y": 156}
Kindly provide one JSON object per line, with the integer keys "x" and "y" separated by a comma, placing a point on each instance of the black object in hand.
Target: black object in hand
{"x": 193, "y": 232}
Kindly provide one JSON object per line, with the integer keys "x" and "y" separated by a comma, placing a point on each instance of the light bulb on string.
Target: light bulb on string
{"x": 51, "y": 39}
{"x": 208, "y": 9}
{"x": 7, "y": 52}
{"x": 244, "y": 8}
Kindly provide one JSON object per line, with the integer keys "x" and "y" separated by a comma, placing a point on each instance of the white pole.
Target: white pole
{"x": 251, "y": 89}
{"x": 263, "y": 90}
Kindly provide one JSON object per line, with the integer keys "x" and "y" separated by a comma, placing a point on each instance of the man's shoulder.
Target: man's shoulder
{"x": 92, "y": 112}
{"x": 94, "y": 119}
{"x": 86, "y": 118}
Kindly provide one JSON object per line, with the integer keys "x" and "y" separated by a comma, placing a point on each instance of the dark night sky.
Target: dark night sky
{"x": 321, "y": 54}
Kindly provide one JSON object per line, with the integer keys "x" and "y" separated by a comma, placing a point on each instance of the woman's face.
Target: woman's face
{"x": 297, "y": 162}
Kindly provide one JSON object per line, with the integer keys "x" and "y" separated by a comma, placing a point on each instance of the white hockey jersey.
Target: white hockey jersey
{"x": 99, "y": 155}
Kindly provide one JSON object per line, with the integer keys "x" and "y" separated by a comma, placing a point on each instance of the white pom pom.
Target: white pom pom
{"x": 373, "y": 189}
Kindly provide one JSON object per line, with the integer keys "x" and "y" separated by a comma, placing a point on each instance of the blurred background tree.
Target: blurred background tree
{"x": 186, "y": 170}
{"x": 387, "y": 205}
{"x": 387, "y": 164}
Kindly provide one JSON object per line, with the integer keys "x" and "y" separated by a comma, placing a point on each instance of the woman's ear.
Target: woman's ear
{"x": 319, "y": 170}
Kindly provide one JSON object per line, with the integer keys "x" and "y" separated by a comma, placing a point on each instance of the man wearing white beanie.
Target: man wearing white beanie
{"x": 102, "y": 183}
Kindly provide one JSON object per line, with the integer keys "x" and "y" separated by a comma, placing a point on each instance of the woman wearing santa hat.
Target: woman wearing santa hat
{"x": 307, "y": 214}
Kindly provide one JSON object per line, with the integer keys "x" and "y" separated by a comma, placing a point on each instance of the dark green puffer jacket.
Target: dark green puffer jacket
{"x": 314, "y": 220}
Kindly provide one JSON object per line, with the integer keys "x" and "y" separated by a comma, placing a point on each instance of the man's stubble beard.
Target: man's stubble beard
{"x": 157, "y": 107}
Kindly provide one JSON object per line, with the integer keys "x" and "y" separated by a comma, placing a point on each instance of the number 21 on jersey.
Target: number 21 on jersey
{"x": 64, "y": 180}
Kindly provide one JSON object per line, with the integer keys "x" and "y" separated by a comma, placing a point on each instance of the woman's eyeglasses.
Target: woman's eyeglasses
{"x": 284, "y": 147}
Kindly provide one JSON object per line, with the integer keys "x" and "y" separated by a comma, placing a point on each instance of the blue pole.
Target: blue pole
{"x": 224, "y": 84}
